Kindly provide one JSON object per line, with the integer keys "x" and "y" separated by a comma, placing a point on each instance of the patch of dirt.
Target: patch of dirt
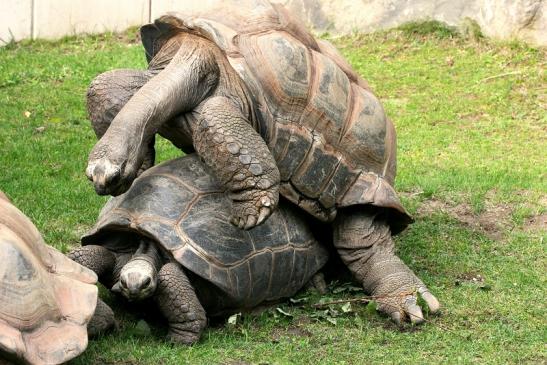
{"x": 290, "y": 332}
{"x": 536, "y": 223}
{"x": 472, "y": 277}
{"x": 404, "y": 327}
{"x": 494, "y": 221}
{"x": 302, "y": 321}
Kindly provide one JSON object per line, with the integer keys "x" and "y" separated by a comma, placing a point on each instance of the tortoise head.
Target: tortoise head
{"x": 138, "y": 280}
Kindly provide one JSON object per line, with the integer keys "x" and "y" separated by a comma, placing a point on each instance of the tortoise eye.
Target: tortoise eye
{"x": 147, "y": 281}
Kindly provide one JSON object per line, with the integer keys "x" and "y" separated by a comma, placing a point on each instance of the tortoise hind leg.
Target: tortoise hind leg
{"x": 363, "y": 240}
{"x": 179, "y": 304}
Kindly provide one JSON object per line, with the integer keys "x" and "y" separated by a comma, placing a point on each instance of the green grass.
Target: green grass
{"x": 472, "y": 132}
{"x": 429, "y": 28}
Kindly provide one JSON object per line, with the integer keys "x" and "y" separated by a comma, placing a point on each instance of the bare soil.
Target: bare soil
{"x": 536, "y": 223}
{"x": 494, "y": 220}
{"x": 290, "y": 332}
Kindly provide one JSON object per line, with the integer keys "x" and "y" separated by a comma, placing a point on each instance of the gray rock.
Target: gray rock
{"x": 504, "y": 19}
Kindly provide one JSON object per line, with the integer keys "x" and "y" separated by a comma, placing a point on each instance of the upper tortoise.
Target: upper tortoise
{"x": 269, "y": 109}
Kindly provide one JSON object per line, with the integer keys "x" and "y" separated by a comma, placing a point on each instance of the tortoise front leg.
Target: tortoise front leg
{"x": 363, "y": 240}
{"x": 108, "y": 94}
{"x": 102, "y": 321}
{"x": 96, "y": 258}
{"x": 184, "y": 83}
{"x": 179, "y": 304}
{"x": 240, "y": 158}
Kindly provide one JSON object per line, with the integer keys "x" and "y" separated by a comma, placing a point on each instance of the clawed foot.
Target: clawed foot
{"x": 102, "y": 321}
{"x": 251, "y": 208}
{"x": 396, "y": 290}
{"x": 111, "y": 169}
{"x": 402, "y": 305}
{"x": 108, "y": 177}
{"x": 186, "y": 333}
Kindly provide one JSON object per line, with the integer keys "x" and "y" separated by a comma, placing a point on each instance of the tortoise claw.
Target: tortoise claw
{"x": 265, "y": 212}
{"x": 430, "y": 299}
{"x": 251, "y": 222}
{"x": 396, "y": 317}
{"x": 414, "y": 312}
{"x": 247, "y": 214}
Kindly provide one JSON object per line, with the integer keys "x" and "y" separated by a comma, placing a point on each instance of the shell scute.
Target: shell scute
{"x": 282, "y": 266}
{"x": 26, "y": 294}
{"x": 295, "y": 151}
{"x": 317, "y": 168}
{"x": 210, "y": 232}
{"x": 241, "y": 281}
{"x": 260, "y": 275}
{"x": 365, "y": 138}
{"x": 171, "y": 237}
{"x": 341, "y": 181}
{"x": 283, "y": 62}
{"x": 154, "y": 195}
{"x": 267, "y": 236}
{"x": 328, "y": 106}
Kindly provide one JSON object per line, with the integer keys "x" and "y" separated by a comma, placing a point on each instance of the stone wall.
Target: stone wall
{"x": 504, "y": 19}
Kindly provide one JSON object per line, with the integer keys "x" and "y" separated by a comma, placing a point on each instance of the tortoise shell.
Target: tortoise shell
{"x": 329, "y": 134}
{"x": 46, "y": 300}
{"x": 181, "y": 206}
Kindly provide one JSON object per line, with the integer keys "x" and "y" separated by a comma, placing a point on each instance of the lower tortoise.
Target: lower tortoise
{"x": 170, "y": 237}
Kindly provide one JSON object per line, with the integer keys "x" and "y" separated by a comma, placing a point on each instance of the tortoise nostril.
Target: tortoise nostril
{"x": 114, "y": 176}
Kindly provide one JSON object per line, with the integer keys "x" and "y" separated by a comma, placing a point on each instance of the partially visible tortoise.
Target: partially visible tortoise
{"x": 269, "y": 109}
{"x": 174, "y": 222}
{"x": 47, "y": 302}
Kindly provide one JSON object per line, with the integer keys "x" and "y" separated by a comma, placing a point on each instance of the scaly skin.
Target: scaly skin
{"x": 102, "y": 320}
{"x": 178, "y": 302}
{"x": 101, "y": 261}
{"x": 106, "y": 96}
{"x": 139, "y": 277}
{"x": 234, "y": 150}
{"x": 96, "y": 258}
{"x": 171, "y": 289}
{"x": 173, "y": 293}
{"x": 191, "y": 75}
{"x": 363, "y": 240}
{"x": 109, "y": 92}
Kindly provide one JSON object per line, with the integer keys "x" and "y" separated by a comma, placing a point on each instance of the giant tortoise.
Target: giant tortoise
{"x": 48, "y": 303}
{"x": 269, "y": 109}
{"x": 169, "y": 236}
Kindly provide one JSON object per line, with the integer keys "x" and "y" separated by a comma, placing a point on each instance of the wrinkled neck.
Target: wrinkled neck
{"x": 148, "y": 252}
